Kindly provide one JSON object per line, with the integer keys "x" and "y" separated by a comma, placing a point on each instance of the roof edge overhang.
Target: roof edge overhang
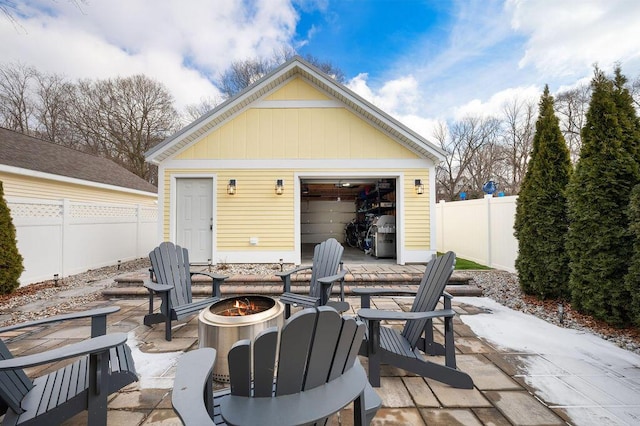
{"x": 71, "y": 180}
{"x": 295, "y": 66}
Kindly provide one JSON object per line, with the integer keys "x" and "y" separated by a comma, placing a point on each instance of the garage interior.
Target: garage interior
{"x": 358, "y": 212}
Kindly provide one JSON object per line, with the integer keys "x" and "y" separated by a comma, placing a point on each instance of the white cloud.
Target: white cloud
{"x": 565, "y": 38}
{"x": 399, "y": 98}
{"x": 178, "y": 43}
{"x": 395, "y": 96}
{"x": 495, "y": 104}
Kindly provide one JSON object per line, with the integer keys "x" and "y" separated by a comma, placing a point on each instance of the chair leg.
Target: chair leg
{"x": 374, "y": 353}
{"x": 359, "y": 415}
{"x": 449, "y": 345}
{"x": 98, "y": 389}
{"x": 287, "y": 310}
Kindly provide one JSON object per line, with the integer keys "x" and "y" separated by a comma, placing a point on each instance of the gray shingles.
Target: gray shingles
{"x": 26, "y": 152}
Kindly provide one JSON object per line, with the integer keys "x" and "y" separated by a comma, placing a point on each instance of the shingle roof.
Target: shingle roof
{"x": 26, "y": 152}
{"x": 295, "y": 66}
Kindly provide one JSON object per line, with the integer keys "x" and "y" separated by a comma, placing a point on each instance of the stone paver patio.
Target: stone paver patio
{"x": 501, "y": 395}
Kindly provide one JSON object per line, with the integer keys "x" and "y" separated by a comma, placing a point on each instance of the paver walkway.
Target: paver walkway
{"x": 501, "y": 395}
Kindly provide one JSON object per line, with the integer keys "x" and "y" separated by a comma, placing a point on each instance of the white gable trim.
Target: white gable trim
{"x": 295, "y": 67}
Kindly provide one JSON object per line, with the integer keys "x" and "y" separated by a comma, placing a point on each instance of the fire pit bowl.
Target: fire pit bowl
{"x": 236, "y": 318}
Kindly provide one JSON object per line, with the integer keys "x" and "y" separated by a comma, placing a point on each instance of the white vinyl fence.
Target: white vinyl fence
{"x": 479, "y": 230}
{"x": 64, "y": 237}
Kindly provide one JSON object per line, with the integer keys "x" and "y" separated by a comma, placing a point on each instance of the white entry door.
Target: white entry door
{"x": 194, "y": 218}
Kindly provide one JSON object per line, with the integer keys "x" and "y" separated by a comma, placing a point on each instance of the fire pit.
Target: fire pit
{"x": 229, "y": 320}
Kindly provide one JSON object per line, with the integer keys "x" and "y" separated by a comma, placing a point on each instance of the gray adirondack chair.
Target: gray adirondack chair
{"x": 325, "y": 271}
{"x": 170, "y": 265}
{"x": 385, "y": 345}
{"x": 104, "y": 366}
{"x": 317, "y": 373}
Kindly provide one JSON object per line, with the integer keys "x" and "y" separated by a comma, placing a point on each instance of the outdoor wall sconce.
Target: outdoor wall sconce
{"x": 231, "y": 188}
{"x": 279, "y": 186}
{"x": 419, "y": 187}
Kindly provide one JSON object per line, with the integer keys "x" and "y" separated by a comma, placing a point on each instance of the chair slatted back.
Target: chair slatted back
{"x": 14, "y": 385}
{"x": 170, "y": 265}
{"x": 316, "y": 346}
{"x": 326, "y": 262}
{"x": 435, "y": 279}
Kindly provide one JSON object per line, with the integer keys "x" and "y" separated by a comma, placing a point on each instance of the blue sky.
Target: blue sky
{"x": 371, "y": 35}
{"x": 420, "y": 61}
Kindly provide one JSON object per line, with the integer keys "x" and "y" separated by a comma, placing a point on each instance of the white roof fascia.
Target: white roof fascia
{"x": 65, "y": 179}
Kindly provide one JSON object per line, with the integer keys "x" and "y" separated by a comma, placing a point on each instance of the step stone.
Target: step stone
{"x": 131, "y": 285}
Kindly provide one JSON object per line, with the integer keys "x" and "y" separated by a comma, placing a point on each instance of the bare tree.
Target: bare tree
{"x": 242, "y": 74}
{"x": 194, "y": 111}
{"x": 16, "y": 107}
{"x": 634, "y": 89}
{"x": 53, "y": 93}
{"x": 122, "y": 118}
{"x": 463, "y": 141}
{"x": 519, "y": 121}
{"x": 571, "y": 107}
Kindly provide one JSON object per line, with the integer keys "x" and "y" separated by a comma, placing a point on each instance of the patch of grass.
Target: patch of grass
{"x": 462, "y": 264}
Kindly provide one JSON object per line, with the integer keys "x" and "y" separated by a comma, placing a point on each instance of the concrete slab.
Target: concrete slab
{"x": 485, "y": 374}
{"x": 420, "y": 392}
{"x": 453, "y": 398}
{"x": 446, "y": 416}
{"x": 393, "y": 393}
{"x": 491, "y": 417}
{"x": 523, "y": 409}
{"x": 398, "y": 416}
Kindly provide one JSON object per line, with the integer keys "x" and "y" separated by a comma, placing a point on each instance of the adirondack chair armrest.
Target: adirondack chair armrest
{"x": 327, "y": 281}
{"x": 216, "y": 281}
{"x": 381, "y": 315}
{"x": 193, "y": 382}
{"x": 286, "y": 276}
{"x": 332, "y": 278}
{"x": 158, "y": 288}
{"x": 100, "y": 312}
{"x": 306, "y": 407}
{"x": 366, "y": 293}
{"x": 292, "y": 271}
{"x": 90, "y": 346}
{"x": 218, "y": 277}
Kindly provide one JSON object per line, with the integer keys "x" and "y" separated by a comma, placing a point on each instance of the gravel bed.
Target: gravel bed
{"x": 503, "y": 287}
{"x": 48, "y": 298}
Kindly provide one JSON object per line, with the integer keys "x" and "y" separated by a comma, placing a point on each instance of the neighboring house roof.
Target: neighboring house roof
{"x": 26, "y": 152}
{"x": 295, "y": 66}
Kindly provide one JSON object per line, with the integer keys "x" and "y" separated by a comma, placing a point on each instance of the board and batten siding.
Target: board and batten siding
{"x": 287, "y": 134}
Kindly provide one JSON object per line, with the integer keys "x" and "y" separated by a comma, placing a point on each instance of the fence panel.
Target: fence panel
{"x": 479, "y": 230}
{"x": 63, "y": 237}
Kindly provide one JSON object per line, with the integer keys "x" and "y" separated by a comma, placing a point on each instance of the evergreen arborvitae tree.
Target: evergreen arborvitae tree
{"x": 630, "y": 124}
{"x": 599, "y": 242}
{"x": 541, "y": 222}
{"x": 632, "y": 279}
{"x": 627, "y": 116}
{"x": 10, "y": 259}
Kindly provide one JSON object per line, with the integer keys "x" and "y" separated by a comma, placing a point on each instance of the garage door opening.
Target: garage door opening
{"x": 359, "y": 213}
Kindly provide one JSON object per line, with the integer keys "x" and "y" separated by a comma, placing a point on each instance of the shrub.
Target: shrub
{"x": 10, "y": 259}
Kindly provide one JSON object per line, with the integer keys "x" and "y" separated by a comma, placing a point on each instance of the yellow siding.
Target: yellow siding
{"x": 297, "y": 89}
{"x": 417, "y": 225}
{"x": 254, "y": 211}
{"x": 297, "y": 133}
{"x": 35, "y": 187}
